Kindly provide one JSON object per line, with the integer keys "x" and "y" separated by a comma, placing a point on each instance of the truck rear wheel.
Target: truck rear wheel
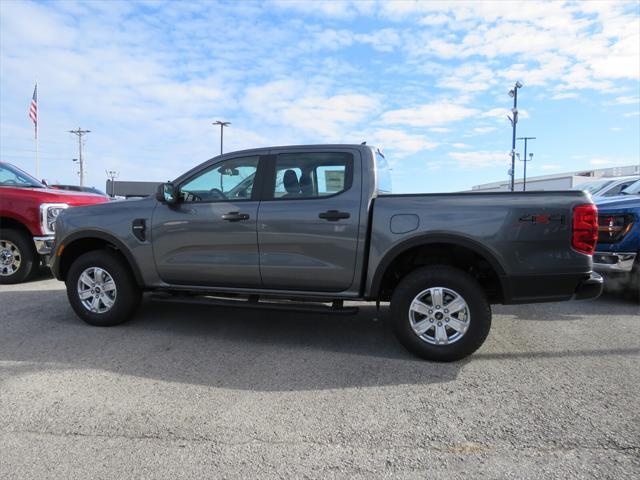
{"x": 440, "y": 313}
{"x": 18, "y": 256}
{"x": 101, "y": 288}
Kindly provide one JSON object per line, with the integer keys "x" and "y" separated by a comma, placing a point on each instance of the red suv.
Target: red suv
{"x": 28, "y": 211}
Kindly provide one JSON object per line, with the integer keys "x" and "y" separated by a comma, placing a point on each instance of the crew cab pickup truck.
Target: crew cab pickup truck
{"x": 304, "y": 224}
{"x": 617, "y": 254}
{"x": 28, "y": 210}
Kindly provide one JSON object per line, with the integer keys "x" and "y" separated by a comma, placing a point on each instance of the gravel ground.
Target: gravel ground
{"x": 195, "y": 392}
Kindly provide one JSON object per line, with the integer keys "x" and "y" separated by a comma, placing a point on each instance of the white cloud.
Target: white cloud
{"x": 434, "y": 19}
{"x": 438, "y": 113}
{"x": 565, "y": 95}
{"x": 627, "y": 100}
{"x": 460, "y": 145}
{"x": 480, "y": 158}
{"x": 308, "y": 107}
{"x": 483, "y": 130}
{"x": 400, "y": 143}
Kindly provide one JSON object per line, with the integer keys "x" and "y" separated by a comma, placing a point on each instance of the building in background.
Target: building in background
{"x": 131, "y": 189}
{"x": 559, "y": 181}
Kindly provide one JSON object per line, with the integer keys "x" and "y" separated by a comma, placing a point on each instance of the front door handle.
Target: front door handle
{"x": 235, "y": 216}
{"x": 333, "y": 215}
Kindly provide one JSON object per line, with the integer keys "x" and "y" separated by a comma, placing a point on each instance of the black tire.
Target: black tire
{"x": 450, "y": 278}
{"x": 127, "y": 297}
{"x": 24, "y": 249}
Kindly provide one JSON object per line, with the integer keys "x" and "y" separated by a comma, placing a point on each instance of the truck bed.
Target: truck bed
{"x": 525, "y": 236}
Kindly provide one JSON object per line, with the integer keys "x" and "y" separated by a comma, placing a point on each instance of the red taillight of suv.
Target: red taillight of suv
{"x": 585, "y": 228}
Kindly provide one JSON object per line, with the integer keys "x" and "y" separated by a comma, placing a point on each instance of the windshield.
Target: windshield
{"x": 11, "y": 176}
{"x": 593, "y": 187}
{"x": 633, "y": 189}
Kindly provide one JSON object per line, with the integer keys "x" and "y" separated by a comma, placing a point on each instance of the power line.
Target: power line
{"x": 79, "y": 132}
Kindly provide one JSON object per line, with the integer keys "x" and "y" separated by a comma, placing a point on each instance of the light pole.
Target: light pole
{"x": 79, "y": 132}
{"x": 222, "y": 125}
{"x": 514, "y": 121}
{"x": 75, "y": 160}
{"x": 524, "y": 184}
{"x": 112, "y": 174}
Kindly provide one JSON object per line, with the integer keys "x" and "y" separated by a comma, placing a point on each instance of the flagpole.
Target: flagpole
{"x": 37, "y": 154}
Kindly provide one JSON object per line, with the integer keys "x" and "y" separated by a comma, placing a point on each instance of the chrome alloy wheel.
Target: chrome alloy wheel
{"x": 96, "y": 290}
{"x": 10, "y": 258}
{"x": 439, "y": 316}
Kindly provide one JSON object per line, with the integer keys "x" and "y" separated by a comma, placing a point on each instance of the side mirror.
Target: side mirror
{"x": 167, "y": 193}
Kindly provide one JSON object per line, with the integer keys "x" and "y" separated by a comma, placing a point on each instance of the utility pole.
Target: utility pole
{"x": 79, "y": 132}
{"x": 222, "y": 125}
{"x": 514, "y": 121}
{"x": 112, "y": 174}
{"x": 524, "y": 184}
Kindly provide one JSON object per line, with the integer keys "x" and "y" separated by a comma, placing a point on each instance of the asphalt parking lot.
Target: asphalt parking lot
{"x": 190, "y": 391}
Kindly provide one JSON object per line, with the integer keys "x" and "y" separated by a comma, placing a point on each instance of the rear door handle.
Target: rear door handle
{"x": 333, "y": 215}
{"x": 235, "y": 216}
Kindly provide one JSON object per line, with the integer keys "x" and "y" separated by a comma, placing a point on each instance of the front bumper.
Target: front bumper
{"x": 44, "y": 245}
{"x": 589, "y": 288}
{"x": 613, "y": 262}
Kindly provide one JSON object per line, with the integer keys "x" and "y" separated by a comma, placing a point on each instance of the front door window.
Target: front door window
{"x": 230, "y": 180}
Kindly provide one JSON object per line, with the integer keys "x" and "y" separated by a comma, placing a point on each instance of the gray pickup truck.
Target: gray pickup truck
{"x": 309, "y": 227}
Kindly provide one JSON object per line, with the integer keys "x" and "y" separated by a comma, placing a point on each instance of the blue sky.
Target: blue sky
{"x": 426, "y": 81}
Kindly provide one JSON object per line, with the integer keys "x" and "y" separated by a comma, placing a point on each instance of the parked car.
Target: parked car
{"x": 319, "y": 223}
{"x": 28, "y": 210}
{"x": 618, "y": 251}
{"x": 607, "y": 187}
{"x": 78, "y": 188}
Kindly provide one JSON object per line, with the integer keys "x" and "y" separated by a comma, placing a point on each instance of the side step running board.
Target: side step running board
{"x": 336, "y": 308}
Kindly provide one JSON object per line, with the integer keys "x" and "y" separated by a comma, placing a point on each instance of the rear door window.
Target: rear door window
{"x": 311, "y": 175}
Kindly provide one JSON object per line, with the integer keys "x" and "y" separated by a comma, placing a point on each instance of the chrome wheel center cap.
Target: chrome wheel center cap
{"x": 7, "y": 257}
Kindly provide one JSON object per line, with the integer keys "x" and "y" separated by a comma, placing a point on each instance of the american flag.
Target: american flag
{"x": 33, "y": 108}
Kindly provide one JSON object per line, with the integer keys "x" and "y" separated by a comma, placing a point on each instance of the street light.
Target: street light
{"x": 222, "y": 125}
{"x": 525, "y": 160}
{"x": 513, "y": 93}
{"x": 112, "y": 174}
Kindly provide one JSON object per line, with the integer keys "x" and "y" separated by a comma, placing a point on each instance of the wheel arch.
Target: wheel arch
{"x": 86, "y": 241}
{"x": 11, "y": 222}
{"x": 448, "y": 242}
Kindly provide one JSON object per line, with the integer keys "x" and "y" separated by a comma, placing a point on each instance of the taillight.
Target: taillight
{"x": 585, "y": 228}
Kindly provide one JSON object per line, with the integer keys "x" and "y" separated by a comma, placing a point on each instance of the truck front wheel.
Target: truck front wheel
{"x": 18, "y": 256}
{"x": 440, "y": 313}
{"x": 101, "y": 288}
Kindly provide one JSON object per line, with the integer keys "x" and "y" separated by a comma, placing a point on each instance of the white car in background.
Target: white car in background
{"x": 607, "y": 187}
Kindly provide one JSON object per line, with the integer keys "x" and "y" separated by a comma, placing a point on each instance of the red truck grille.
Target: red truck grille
{"x": 585, "y": 228}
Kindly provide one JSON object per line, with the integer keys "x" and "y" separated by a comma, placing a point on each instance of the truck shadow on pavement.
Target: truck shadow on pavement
{"x": 574, "y": 310}
{"x": 238, "y": 348}
{"x": 248, "y": 349}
